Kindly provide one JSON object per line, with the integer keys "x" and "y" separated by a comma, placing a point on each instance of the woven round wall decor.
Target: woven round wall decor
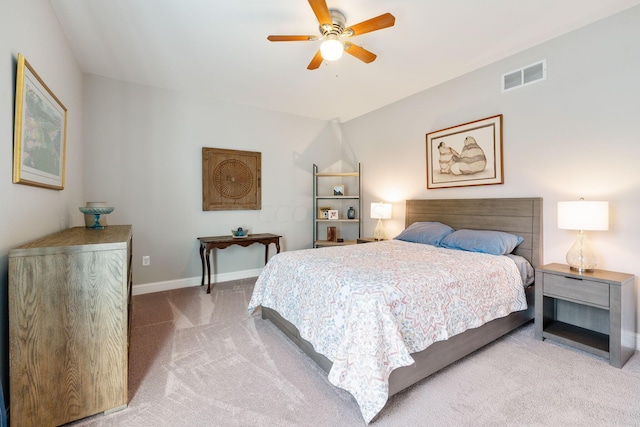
{"x": 233, "y": 179}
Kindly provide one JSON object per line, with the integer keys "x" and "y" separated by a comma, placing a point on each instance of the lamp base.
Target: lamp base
{"x": 581, "y": 257}
{"x": 580, "y": 269}
{"x": 379, "y": 233}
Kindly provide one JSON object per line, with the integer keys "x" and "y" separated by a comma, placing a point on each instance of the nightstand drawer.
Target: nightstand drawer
{"x": 581, "y": 290}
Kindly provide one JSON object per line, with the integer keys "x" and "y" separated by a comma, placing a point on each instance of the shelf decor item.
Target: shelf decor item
{"x": 351, "y": 213}
{"x": 332, "y": 234}
{"x": 323, "y": 212}
{"x": 96, "y": 212}
{"x": 332, "y": 214}
{"x": 380, "y": 211}
{"x": 338, "y": 190}
{"x": 582, "y": 215}
{"x": 40, "y": 135}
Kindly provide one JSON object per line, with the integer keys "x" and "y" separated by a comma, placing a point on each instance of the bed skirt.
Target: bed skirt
{"x": 435, "y": 357}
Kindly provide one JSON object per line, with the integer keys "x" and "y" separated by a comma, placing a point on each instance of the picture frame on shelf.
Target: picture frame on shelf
{"x": 332, "y": 234}
{"x": 323, "y": 212}
{"x": 40, "y": 132}
{"x": 332, "y": 214}
{"x": 466, "y": 155}
{"x": 338, "y": 190}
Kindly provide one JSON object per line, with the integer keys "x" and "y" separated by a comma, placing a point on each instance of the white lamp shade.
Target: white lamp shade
{"x": 583, "y": 215}
{"x": 381, "y": 210}
{"x": 331, "y": 49}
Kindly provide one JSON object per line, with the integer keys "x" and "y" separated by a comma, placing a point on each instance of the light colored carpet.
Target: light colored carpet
{"x": 201, "y": 360}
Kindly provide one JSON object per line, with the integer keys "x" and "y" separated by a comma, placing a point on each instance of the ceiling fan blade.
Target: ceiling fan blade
{"x": 362, "y": 54}
{"x": 291, "y": 38}
{"x": 379, "y": 22}
{"x": 316, "y": 61}
{"x": 322, "y": 11}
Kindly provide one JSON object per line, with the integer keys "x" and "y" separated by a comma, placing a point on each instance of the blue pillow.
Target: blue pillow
{"x": 485, "y": 241}
{"x": 430, "y": 233}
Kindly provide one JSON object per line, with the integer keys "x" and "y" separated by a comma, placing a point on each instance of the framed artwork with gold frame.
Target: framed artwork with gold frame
{"x": 231, "y": 180}
{"x": 40, "y": 133}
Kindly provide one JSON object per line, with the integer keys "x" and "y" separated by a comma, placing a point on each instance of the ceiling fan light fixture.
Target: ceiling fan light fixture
{"x": 334, "y": 31}
{"x": 331, "y": 49}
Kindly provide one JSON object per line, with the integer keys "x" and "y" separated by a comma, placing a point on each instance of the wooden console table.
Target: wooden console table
{"x": 221, "y": 242}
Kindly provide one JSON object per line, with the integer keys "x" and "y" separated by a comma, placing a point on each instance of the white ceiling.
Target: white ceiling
{"x": 219, "y": 48}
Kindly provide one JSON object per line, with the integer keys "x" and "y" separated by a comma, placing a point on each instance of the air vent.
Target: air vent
{"x": 525, "y": 76}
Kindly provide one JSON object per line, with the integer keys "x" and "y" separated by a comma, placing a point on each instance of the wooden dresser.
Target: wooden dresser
{"x": 69, "y": 317}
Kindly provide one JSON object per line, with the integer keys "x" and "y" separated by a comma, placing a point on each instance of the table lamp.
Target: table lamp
{"x": 380, "y": 211}
{"x": 582, "y": 215}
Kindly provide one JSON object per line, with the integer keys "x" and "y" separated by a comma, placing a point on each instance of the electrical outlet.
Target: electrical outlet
{"x": 146, "y": 260}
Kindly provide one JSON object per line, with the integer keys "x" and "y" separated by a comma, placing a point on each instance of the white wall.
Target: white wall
{"x": 31, "y": 28}
{"x": 143, "y": 156}
{"x": 577, "y": 134}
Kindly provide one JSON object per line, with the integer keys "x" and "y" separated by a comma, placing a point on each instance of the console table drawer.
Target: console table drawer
{"x": 586, "y": 291}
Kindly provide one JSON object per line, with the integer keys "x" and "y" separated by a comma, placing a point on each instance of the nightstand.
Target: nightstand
{"x": 594, "y": 312}
{"x": 367, "y": 240}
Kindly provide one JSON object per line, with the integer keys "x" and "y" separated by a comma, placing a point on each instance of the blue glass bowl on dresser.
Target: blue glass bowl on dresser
{"x": 96, "y": 212}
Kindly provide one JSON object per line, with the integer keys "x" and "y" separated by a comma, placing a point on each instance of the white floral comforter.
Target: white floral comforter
{"x": 367, "y": 307}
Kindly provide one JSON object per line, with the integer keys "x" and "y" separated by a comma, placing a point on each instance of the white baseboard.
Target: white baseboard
{"x": 147, "y": 288}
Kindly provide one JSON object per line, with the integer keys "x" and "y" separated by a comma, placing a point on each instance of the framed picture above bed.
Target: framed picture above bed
{"x": 465, "y": 155}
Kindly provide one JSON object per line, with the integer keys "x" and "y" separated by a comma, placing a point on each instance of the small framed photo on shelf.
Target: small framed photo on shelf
{"x": 338, "y": 190}
{"x": 332, "y": 214}
{"x": 332, "y": 234}
{"x": 323, "y": 212}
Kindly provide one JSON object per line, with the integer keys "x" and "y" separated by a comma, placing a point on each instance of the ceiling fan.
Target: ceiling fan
{"x": 334, "y": 31}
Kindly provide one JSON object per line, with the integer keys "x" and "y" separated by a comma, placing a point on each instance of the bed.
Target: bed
{"x": 519, "y": 216}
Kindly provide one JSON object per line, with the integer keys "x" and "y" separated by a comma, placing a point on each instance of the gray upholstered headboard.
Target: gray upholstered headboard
{"x": 521, "y": 216}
